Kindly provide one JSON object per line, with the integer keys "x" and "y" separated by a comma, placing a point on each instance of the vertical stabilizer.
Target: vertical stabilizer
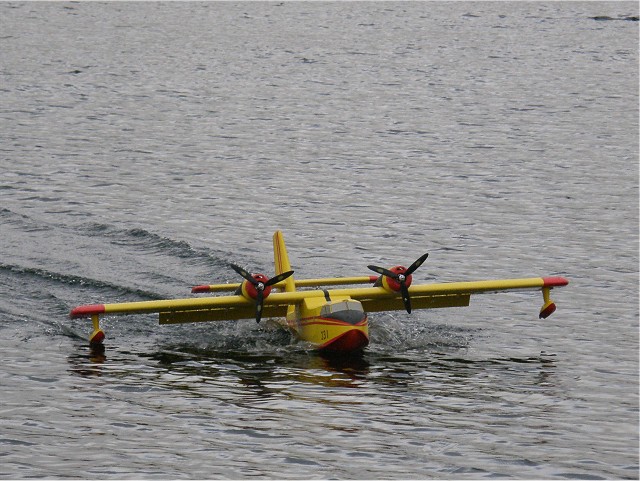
{"x": 281, "y": 260}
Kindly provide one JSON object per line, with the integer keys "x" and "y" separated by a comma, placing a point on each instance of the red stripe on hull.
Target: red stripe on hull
{"x": 323, "y": 321}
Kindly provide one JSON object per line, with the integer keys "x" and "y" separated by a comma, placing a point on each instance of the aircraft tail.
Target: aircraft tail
{"x": 281, "y": 260}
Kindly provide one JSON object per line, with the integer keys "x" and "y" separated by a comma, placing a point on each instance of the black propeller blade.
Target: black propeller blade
{"x": 260, "y": 286}
{"x": 401, "y": 278}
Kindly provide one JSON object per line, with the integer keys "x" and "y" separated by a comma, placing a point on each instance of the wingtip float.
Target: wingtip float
{"x": 332, "y": 320}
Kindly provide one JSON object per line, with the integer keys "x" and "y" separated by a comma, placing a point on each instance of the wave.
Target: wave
{"x": 73, "y": 280}
{"x": 133, "y": 237}
{"x": 630, "y": 18}
{"x": 152, "y": 242}
{"x": 23, "y": 221}
{"x": 45, "y": 248}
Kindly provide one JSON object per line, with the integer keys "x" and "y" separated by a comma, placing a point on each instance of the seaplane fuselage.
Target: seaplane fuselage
{"x": 330, "y": 324}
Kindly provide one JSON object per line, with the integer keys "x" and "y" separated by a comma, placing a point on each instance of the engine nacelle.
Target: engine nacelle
{"x": 392, "y": 284}
{"x": 250, "y": 291}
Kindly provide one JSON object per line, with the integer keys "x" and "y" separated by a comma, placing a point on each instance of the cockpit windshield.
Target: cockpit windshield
{"x": 349, "y": 311}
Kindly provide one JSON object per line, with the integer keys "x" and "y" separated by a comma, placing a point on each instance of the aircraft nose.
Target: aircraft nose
{"x": 350, "y": 341}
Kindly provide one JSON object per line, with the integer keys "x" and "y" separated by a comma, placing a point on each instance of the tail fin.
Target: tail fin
{"x": 281, "y": 260}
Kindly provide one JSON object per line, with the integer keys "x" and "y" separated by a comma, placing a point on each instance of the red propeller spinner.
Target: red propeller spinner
{"x": 258, "y": 286}
{"x": 399, "y": 278}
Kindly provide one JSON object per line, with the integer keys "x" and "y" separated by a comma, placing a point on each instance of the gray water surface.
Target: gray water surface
{"x": 144, "y": 146}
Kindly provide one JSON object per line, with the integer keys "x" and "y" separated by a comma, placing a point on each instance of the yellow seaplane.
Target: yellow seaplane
{"x": 329, "y": 319}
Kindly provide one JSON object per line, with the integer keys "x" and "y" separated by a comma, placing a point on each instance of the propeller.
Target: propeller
{"x": 261, "y": 285}
{"x": 402, "y": 276}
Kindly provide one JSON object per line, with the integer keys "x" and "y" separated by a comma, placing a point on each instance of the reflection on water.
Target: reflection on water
{"x": 256, "y": 393}
{"x": 88, "y": 360}
{"x": 264, "y": 372}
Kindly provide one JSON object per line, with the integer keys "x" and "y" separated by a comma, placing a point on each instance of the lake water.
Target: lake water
{"x": 144, "y": 146}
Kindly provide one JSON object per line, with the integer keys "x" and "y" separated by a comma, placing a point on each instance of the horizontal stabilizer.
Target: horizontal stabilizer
{"x": 326, "y": 281}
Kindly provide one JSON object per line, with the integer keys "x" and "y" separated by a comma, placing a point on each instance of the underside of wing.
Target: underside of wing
{"x": 220, "y": 314}
{"x": 419, "y": 302}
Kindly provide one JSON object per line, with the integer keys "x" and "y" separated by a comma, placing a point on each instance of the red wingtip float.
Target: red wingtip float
{"x": 549, "y": 306}
{"x": 331, "y": 320}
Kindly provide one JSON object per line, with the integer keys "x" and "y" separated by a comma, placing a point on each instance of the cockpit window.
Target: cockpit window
{"x": 347, "y": 311}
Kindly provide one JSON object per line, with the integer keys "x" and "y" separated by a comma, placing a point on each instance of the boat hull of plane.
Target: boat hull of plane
{"x": 331, "y": 326}
{"x": 353, "y": 340}
{"x": 335, "y": 336}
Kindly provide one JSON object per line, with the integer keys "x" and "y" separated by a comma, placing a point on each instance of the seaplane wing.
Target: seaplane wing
{"x": 452, "y": 294}
{"x": 174, "y": 311}
{"x": 373, "y": 299}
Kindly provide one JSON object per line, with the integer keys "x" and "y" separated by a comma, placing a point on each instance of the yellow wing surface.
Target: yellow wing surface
{"x": 423, "y": 296}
